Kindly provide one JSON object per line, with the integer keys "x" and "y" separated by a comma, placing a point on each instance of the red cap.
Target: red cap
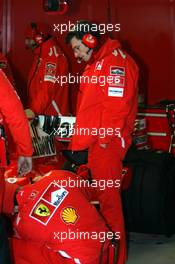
{"x": 90, "y": 41}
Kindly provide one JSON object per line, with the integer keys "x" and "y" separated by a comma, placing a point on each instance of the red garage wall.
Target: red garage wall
{"x": 147, "y": 32}
{"x": 1, "y": 23}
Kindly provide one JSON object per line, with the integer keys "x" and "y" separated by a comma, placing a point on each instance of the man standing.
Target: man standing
{"x": 48, "y": 64}
{"x": 12, "y": 114}
{"x": 109, "y": 107}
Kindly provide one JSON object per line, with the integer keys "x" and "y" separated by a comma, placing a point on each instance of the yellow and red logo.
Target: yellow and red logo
{"x": 69, "y": 215}
{"x": 42, "y": 210}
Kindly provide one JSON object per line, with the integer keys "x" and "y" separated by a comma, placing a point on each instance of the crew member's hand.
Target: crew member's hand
{"x": 29, "y": 113}
{"x": 103, "y": 145}
{"x": 24, "y": 165}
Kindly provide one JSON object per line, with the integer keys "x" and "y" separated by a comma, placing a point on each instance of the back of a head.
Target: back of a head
{"x": 38, "y": 32}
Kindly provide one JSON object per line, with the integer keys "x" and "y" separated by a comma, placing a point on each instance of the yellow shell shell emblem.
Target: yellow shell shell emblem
{"x": 42, "y": 210}
{"x": 69, "y": 215}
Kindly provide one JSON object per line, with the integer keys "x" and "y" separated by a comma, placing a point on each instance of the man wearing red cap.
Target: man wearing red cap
{"x": 106, "y": 112}
{"x": 12, "y": 114}
{"x": 49, "y": 63}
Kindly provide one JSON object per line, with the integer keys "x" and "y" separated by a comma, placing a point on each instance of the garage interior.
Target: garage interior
{"x": 147, "y": 33}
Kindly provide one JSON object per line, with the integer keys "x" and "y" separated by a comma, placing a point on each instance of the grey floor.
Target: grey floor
{"x": 151, "y": 249}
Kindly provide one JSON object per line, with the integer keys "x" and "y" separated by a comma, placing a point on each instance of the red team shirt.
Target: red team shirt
{"x": 13, "y": 115}
{"x": 49, "y": 63}
{"x": 49, "y": 208}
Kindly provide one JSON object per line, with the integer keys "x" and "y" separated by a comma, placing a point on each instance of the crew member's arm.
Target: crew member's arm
{"x": 15, "y": 118}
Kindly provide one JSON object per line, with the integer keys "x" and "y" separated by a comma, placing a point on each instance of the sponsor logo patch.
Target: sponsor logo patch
{"x": 115, "y": 91}
{"x": 58, "y": 196}
{"x": 42, "y": 210}
{"x": 117, "y": 81}
{"x": 48, "y": 203}
{"x": 50, "y": 72}
{"x": 99, "y": 65}
{"x": 50, "y": 65}
{"x": 69, "y": 215}
{"x": 116, "y": 70}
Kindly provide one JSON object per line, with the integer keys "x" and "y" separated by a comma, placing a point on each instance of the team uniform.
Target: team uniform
{"x": 43, "y": 83}
{"x": 47, "y": 210}
{"x": 110, "y": 106}
{"x": 12, "y": 114}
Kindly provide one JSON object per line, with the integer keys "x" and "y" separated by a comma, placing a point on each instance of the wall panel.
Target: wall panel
{"x": 147, "y": 32}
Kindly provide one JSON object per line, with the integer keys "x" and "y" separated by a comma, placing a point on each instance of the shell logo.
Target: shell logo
{"x": 69, "y": 215}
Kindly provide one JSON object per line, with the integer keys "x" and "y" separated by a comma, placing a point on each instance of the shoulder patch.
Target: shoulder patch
{"x": 115, "y": 53}
{"x": 123, "y": 55}
{"x": 53, "y": 51}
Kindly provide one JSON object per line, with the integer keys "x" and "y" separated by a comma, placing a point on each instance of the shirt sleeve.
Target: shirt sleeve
{"x": 14, "y": 116}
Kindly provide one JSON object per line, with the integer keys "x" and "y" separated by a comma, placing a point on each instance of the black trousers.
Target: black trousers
{"x": 4, "y": 244}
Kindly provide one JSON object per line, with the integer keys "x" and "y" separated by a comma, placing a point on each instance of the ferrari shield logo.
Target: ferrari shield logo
{"x": 42, "y": 210}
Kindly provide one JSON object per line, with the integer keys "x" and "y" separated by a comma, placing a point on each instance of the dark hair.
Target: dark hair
{"x": 45, "y": 35}
{"x": 82, "y": 28}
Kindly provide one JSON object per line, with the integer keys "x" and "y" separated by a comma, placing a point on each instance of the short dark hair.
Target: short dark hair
{"x": 82, "y": 28}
